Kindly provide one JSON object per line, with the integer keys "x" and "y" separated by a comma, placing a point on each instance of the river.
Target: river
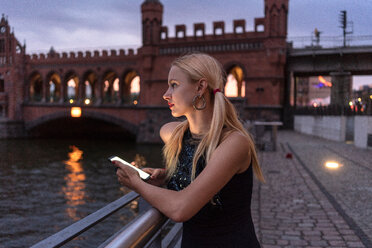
{"x": 48, "y": 184}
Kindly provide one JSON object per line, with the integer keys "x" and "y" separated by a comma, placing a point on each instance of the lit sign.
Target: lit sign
{"x": 75, "y": 112}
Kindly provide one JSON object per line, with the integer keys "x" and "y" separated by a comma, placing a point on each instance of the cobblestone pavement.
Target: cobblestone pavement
{"x": 304, "y": 204}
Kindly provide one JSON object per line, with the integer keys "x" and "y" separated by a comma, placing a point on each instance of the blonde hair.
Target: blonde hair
{"x": 198, "y": 66}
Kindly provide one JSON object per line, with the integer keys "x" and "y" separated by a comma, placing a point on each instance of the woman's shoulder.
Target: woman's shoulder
{"x": 236, "y": 144}
{"x": 232, "y": 135}
{"x": 167, "y": 129}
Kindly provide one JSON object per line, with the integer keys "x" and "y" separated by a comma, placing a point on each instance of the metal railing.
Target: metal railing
{"x": 329, "y": 41}
{"x": 333, "y": 110}
{"x": 143, "y": 231}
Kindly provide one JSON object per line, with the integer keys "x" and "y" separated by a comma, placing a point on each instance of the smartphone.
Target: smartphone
{"x": 145, "y": 176}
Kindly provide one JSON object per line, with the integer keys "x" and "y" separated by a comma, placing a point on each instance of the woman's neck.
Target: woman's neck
{"x": 200, "y": 122}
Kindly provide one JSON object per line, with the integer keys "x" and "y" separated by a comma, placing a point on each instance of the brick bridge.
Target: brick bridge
{"x": 125, "y": 88}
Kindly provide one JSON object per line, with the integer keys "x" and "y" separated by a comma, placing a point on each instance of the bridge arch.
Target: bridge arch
{"x": 54, "y": 86}
{"x": 126, "y": 127}
{"x": 110, "y": 86}
{"x": 90, "y": 87}
{"x": 235, "y": 79}
{"x": 71, "y": 84}
{"x": 35, "y": 87}
{"x": 130, "y": 86}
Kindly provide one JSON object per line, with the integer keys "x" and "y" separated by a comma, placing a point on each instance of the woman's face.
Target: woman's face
{"x": 180, "y": 93}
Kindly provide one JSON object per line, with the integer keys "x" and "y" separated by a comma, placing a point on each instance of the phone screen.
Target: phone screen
{"x": 145, "y": 176}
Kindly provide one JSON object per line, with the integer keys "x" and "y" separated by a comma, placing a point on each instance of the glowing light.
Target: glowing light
{"x": 332, "y": 165}
{"x": 71, "y": 101}
{"x": 87, "y": 101}
{"x": 231, "y": 87}
{"x": 315, "y": 105}
{"x": 359, "y": 99}
{"x": 324, "y": 82}
{"x": 351, "y": 103}
{"x": 76, "y": 112}
{"x": 71, "y": 83}
{"x": 116, "y": 84}
{"x": 135, "y": 85}
{"x": 370, "y": 96}
{"x": 135, "y": 102}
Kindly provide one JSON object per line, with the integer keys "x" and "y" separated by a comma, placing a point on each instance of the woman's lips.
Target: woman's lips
{"x": 170, "y": 105}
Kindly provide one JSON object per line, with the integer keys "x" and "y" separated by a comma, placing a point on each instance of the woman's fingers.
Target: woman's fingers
{"x": 155, "y": 174}
{"x": 120, "y": 173}
{"x": 148, "y": 170}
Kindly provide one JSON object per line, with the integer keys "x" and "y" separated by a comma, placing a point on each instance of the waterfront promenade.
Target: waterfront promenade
{"x": 305, "y": 204}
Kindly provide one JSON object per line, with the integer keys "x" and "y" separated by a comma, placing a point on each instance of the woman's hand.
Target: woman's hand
{"x": 127, "y": 176}
{"x": 157, "y": 176}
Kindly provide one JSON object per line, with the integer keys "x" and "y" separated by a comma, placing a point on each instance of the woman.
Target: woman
{"x": 209, "y": 160}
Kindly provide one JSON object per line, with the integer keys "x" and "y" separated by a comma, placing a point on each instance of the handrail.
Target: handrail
{"x": 60, "y": 238}
{"x": 140, "y": 231}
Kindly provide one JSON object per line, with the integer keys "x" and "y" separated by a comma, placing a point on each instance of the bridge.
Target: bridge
{"x": 125, "y": 87}
{"x": 340, "y": 63}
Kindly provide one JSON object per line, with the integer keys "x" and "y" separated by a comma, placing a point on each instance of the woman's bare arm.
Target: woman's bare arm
{"x": 230, "y": 157}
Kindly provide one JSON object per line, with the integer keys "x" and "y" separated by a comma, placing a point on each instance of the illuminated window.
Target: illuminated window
{"x": 111, "y": 87}
{"x": 235, "y": 86}
{"x": 54, "y": 87}
{"x": 71, "y": 89}
{"x": 90, "y": 80}
{"x": 131, "y": 88}
{"x": 115, "y": 87}
{"x": 88, "y": 90}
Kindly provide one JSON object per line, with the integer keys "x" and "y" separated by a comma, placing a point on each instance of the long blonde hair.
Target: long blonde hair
{"x": 198, "y": 66}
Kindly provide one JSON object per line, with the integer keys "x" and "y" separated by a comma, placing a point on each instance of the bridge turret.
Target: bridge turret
{"x": 152, "y": 18}
{"x": 12, "y": 56}
{"x": 276, "y": 16}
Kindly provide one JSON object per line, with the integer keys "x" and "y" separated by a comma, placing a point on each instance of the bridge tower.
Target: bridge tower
{"x": 12, "y": 55}
{"x": 12, "y": 71}
{"x": 152, "y": 20}
{"x": 276, "y": 16}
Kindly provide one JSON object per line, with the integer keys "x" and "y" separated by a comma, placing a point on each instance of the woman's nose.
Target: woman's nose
{"x": 166, "y": 95}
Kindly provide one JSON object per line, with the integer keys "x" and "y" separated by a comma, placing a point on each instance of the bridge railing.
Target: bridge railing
{"x": 329, "y": 41}
{"x": 143, "y": 231}
{"x": 334, "y": 110}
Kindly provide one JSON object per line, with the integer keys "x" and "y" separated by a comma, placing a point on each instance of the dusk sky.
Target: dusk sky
{"x": 88, "y": 24}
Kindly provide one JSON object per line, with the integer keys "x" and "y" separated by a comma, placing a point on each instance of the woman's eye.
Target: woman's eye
{"x": 173, "y": 85}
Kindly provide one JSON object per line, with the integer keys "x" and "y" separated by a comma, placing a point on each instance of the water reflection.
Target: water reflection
{"x": 74, "y": 190}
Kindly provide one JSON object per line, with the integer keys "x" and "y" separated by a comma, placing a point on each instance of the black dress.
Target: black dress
{"x": 226, "y": 220}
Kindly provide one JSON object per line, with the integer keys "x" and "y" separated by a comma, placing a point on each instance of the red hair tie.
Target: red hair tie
{"x": 215, "y": 91}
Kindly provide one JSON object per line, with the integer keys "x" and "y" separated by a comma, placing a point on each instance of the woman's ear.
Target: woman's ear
{"x": 202, "y": 86}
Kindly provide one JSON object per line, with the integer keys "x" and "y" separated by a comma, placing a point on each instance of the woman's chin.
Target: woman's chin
{"x": 174, "y": 114}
